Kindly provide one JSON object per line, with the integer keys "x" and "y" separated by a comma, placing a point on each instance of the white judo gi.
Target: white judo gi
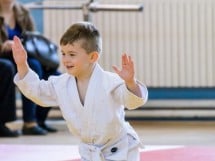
{"x": 99, "y": 123}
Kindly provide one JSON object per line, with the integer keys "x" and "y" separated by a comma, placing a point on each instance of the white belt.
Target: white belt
{"x": 91, "y": 152}
{"x": 115, "y": 151}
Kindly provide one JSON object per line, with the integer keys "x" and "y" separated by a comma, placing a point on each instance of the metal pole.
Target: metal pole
{"x": 94, "y": 7}
{"x": 88, "y": 7}
{"x": 39, "y": 5}
{"x": 86, "y": 12}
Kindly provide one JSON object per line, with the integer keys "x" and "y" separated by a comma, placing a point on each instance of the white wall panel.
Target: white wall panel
{"x": 171, "y": 41}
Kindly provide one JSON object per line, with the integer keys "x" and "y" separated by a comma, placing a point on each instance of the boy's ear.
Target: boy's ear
{"x": 94, "y": 56}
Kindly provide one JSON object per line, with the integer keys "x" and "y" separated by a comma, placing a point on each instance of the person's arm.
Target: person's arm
{"x": 39, "y": 91}
{"x": 127, "y": 74}
{"x": 20, "y": 57}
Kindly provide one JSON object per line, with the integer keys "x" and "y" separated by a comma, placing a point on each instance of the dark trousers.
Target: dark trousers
{"x": 7, "y": 92}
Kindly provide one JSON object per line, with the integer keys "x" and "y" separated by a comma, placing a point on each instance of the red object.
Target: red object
{"x": 180, "y": 154}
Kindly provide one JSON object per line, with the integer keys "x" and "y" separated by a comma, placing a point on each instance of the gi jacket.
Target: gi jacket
{"x": 101, "y": 120}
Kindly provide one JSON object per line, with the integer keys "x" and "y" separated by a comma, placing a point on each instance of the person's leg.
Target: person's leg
{"x": 42, "y": 113}
{"x": 29, "y": 108}
{"x": 7, "y": 98}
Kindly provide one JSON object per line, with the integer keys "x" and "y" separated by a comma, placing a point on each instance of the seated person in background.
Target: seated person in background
{"x": 15, "y": 19}
{"x": 7, "y": 98}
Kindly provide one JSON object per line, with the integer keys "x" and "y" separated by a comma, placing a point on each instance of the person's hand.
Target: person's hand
{"x": 7, "y": 46}
{"x": 19, "y": 53}
{"x": 20, "y": 57}
{"x": 127, "y": 74}
{"x": 127, "y": 70}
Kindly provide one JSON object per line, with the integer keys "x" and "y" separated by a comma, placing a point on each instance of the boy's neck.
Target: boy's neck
{"x": 87, "y": 75}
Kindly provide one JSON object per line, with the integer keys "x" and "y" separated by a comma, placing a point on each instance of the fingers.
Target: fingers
{"x": 116, "y": 69}
{"x": 17, "y": 46}
{"x": 131, "y": 60}
{"x": 14, "y": 46}
{"x": 126, "y": 60}
{"x": 17, "y": 42}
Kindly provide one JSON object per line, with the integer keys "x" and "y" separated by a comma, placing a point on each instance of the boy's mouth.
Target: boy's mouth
{"x": 69, "y": 66}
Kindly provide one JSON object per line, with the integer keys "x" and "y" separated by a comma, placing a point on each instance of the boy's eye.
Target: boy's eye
{"x": 69, "y": 54}
{"x": 72, "y": 54}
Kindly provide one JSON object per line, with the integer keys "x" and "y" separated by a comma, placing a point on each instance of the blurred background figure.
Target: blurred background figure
{"x": 14, "y": 20}
{"x": 7, "y": 98}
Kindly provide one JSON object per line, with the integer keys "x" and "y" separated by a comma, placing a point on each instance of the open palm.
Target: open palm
{"x": 127, "y": 70}
{"x": 19, "y": 53}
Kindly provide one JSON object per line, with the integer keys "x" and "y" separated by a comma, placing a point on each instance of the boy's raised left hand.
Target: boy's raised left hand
{"x": 127, "y": 70}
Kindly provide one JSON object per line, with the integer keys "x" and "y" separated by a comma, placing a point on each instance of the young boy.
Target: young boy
{"x": 92, "y": 100}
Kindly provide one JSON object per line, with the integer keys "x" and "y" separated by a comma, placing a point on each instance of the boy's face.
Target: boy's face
{"x": 75, "y": 59}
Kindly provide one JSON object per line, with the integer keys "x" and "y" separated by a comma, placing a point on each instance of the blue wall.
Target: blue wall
{"x": 36, "y": 13}
{"x": 182, "y": 93}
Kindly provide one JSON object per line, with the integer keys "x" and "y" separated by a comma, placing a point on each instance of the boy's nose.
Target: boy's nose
{"x": 65, "y": 58}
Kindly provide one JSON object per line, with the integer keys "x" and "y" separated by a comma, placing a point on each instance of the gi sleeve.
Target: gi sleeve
{"x": 128, "y": 99}
{"x": 39, "y": 91}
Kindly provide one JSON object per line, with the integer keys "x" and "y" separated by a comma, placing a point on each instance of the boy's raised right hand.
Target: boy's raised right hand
{"x": 20, "y": 57}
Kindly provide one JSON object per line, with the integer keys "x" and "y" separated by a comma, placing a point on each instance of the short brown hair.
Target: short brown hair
{"x": 83, "y": 31}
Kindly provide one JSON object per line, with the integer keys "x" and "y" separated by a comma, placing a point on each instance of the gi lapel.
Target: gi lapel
{"x": 93, "y": 88}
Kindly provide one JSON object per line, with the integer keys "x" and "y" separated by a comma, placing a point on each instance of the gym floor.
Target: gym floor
{"x": 151, "y": 132}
